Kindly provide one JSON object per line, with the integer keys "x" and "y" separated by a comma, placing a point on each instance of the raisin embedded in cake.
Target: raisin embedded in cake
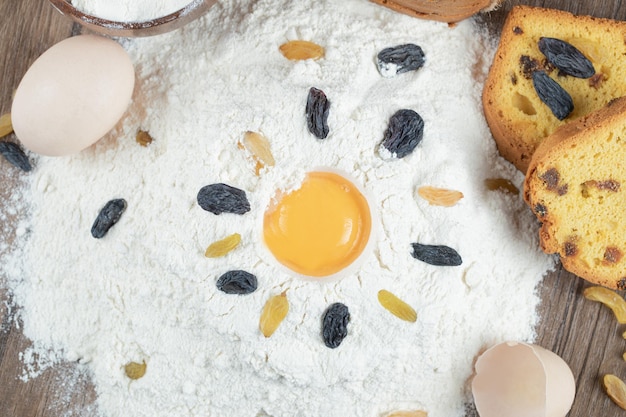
{"x": 519, "y": 115}
{"x": 576, "y": 185}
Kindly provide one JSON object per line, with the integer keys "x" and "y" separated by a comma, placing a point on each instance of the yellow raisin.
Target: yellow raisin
{"x": 396, "y": 306}
{"x": 259, "y": 148}
{"x": 624, "y": 356}
{"x": 223, "y": 246}
{"x": 135, "y": 370}
{"x": 609, "y": 298}
{"x": 143, "y": 138}
{"x": 440, "y": 196}
{"x": 408, "y": 413}
{"x": 300, "y": 50}
{"x": 501, "y": 184}
{"x": 274, "y": 312}
{"x": 615, "y": 389}
{"x": 6, "y": 126}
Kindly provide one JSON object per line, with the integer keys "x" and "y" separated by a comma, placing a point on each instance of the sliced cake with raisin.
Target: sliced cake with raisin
{"x": 576, "y": 186}
{"x": 550, "y": 68}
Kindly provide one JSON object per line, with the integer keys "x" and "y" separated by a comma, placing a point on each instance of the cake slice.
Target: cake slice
{"x": 518, "y": 118}
{"x": 450, "y": 11}
{"x": 576, "y": 186}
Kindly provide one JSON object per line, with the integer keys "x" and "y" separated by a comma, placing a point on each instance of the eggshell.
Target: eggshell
{"x": 72, "y": 95}
{"x": 522, "y": 380}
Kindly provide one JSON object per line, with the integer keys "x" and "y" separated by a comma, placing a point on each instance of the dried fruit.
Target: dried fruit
{"x": 615, "y": 389}
{"x": 6, "y": 126}
{"x": 396, "y": 306}
{"x": 108, "y": 216}
{"x": 221, "y": 198}
{"x": 135, "y": 370}
{"x": 335, "y": 324}
{"x": 237, "y": 282}
{"x": 223, "y": 246}
{"x": 609, "y": 298}
{"x": 440, "y": 196}
{"x": 404, "y": 132}
{"x": 274, "y": 312}
{"x": 612, "y": 255}
{"x": 566, "y": 57}
{"x": 13, "y": 153}
{"x": 400, "y": 59}
{"x": 259, "y": 147}
{"x": 300, "y": 50}
{"x": 437, "y": 255}
{"x": 143, "y": 138}
{"x": 552, "y": 180}
{"x": 553, "y": 95}
{"x": 501, "y": 184}
{"x": 317, "y": 108}
{"x": 408, "y": 413}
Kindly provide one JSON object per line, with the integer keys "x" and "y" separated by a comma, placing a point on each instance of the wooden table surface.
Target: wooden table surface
{"x": 584, "y": 333}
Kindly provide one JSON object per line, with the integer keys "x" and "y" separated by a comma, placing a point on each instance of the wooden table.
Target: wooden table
{"x": 585, "y": 334}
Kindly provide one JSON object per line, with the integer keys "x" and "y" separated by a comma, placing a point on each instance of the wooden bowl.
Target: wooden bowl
{"x": 175, "y": 20}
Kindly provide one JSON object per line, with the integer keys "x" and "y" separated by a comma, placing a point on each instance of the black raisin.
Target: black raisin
{"x": 221, "y": 198}
{"x": 400, "y": 59}
{"x": 108, "y": 216}
{"x": 317, "y": 108}
{"x": 566, "y": 58}
{"x": 15, "y": 155}
{"x": 438, "y": 255}
{"x": 553, "y": 95}
{"x": 335, "y": 324}
{"x": 404, "y": 133}
{"x": 237, "y": 282}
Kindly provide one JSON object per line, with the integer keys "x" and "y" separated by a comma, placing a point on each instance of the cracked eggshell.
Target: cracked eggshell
{"x": 72, "y": 95}
{"x": 514, "y": 379}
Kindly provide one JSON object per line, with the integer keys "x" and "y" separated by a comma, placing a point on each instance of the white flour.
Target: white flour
{"x": 146, "y": 292}
{"x": 130, "y": 11}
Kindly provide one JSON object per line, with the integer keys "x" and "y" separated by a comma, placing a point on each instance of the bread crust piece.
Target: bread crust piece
{"x": 518, "y": 119}
{"x": 450, "y": 11}
{"x": 576, "y": 186}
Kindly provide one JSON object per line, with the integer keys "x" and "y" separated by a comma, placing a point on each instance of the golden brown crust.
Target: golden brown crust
{"x": 576, "y": 186}
{"x": 450, "y": 11}
{"x": 518, "y": 119}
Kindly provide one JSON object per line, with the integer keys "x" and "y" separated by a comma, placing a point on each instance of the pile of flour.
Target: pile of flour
{"x": 133, "y": 10}
{"x": 145, "y": 292}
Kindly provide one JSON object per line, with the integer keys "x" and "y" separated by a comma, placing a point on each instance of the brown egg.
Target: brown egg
{"x": 72, "y": 95}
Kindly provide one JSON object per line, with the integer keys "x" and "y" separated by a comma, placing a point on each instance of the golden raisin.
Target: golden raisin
{"x": 615, "y": 389}
{"x": 135, "y": 370}
{"x": 408, "y": 413}
{"x": 440, "y": 196}
{"x": 6, "y": 126}
{"x": 501, "y": 184}
{"x": 396, "y": 306}
{"x": 259, "y": 148}
{"x": 143, "y": 138}
{"x": 610, "y": 298}
{"x": 223, "y": 246}
{"x": 274, "y": 312}
{"x": 301, "y": 50}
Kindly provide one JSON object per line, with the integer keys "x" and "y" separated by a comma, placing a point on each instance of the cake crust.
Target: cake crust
{"x": 450, "y": 11}
{"x": 518, "y": 119}
{"x": 576, "y": 186}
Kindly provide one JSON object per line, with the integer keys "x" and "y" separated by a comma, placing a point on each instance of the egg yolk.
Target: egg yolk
{"x": 320, "y": 228}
